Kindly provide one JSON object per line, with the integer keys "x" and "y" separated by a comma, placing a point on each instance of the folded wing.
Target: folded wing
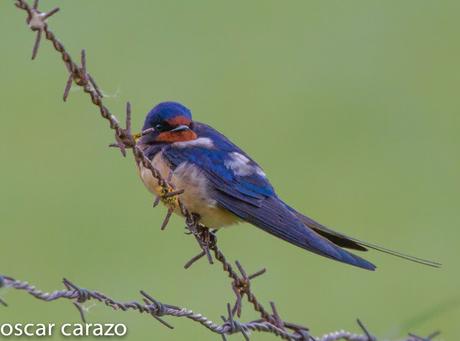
{"x": 250, "y": 196}
{"x": 275, "y": 218}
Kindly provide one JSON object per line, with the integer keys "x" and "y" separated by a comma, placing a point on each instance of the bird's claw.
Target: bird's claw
{"x": 206, "y": 236}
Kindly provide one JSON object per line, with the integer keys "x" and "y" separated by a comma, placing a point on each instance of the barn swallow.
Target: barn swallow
{"x": 224, "y": 186}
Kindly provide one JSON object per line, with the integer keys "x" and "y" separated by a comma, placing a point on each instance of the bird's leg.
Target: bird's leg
{"x": 204, "y": 236}
{"x": 205, "y": 239}
{"x": 207, "y": 236}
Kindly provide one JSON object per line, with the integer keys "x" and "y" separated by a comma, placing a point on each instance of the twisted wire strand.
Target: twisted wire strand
{"x": 155, "y": 308}
{"x": 81, "y": 295}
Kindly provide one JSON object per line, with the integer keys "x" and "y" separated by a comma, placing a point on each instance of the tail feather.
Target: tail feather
{"x": 274, "y": 217}
{"x": 356, "y": 244}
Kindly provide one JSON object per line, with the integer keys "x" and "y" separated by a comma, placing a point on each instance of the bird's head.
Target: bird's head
{"x": 169, "y": 122}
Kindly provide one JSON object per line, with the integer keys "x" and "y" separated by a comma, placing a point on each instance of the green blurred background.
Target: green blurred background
{"x": 351, "y": 107}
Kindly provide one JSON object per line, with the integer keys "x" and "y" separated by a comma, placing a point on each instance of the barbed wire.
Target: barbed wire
{"x": 157, "y": 310}
{"x": 149, "y": 306}
{"x": 269, "y": 322}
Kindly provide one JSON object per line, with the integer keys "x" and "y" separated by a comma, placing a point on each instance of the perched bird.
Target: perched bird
{"x": 224, "y": 186}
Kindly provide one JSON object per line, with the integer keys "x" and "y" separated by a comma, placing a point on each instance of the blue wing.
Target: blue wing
{"x": 251, "y": 196}
{"x": 251, "y": 189}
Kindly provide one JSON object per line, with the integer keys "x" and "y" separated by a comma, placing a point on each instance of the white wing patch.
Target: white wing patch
{"x": 242, "y": 166}
{"x": 204, "y": 142}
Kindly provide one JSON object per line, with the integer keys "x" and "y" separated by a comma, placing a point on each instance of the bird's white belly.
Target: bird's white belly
{"x": 196, "y": 196}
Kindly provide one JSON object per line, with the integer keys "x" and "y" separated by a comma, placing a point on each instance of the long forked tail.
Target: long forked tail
{"x": 356, "y": 244}
{"x": 274, "y": 217}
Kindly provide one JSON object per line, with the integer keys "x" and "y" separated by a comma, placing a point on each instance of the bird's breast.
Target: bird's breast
{"x": 197, "y": 196}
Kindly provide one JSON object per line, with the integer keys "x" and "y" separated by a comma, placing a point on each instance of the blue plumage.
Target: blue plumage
{"x": 224, "y": 185}
{"x": 165, "y": 111}
{"x": 250, "y": 188}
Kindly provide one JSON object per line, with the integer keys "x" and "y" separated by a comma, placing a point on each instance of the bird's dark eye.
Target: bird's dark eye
{"x": 161, "y": 127}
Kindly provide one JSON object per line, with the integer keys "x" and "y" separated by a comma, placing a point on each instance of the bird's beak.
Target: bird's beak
{"x": 139, "y": 135}
{"x": 147, "y": 131}
{"x": 182, "y": 127}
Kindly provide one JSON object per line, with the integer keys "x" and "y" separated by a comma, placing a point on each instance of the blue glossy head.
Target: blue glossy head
{"x": 172, "y": 113}
{"x": 168, "y": 122}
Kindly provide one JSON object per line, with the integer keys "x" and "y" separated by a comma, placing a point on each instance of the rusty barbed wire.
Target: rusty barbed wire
{"x": 79, "y": 75}
{"x": 270, "y": 322}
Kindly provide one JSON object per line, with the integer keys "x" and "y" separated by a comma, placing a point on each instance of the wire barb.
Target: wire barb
{"x": 38, "y": 38}
{"x": 124, "y": 138}
{"x": 36, "y": 21}
{"x": 157, "y": 309}
{"x": 68, "y": 86}
{"x": 80, "y": 308}
{"x": 366, "y": 331}
{"x": 166, "y": 220}
{"x": 430, "y": 337}
{"x": 194, "y": 259}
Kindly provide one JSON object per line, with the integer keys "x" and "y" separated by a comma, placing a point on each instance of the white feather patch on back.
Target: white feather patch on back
{"x": 241, "y": 165}
{"x": 199, "y": 142}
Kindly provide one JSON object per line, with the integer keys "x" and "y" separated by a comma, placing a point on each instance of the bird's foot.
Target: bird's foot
{"x": 206, "y": 236}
